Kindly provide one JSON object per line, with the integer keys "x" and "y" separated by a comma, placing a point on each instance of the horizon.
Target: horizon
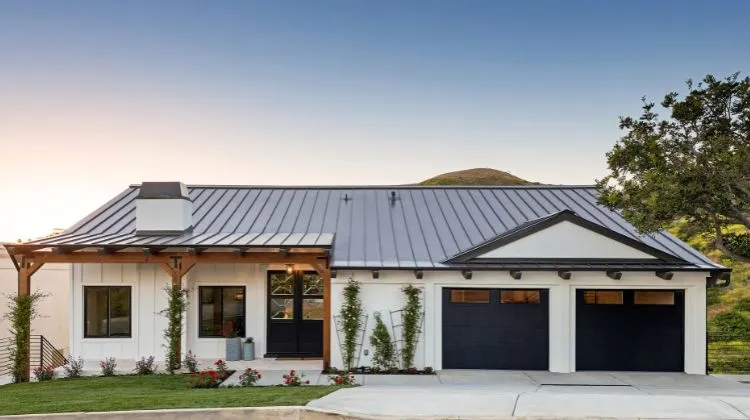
{"x": 100, "y": 95}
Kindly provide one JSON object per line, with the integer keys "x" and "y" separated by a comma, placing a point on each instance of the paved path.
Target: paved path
{"x": 503, "y": 394}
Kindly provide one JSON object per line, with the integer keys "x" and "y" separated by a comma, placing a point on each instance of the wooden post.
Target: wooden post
{"x": 176, "y": 270}
{"x": 26, "y": 269}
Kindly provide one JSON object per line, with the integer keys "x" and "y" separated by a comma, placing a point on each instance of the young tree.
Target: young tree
{"x": 693, "y": 165}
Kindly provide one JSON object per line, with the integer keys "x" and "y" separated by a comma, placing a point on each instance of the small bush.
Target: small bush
{"x": 294, "y": 379}
{"x": 205, "y": 379}
{"x": 731, "y": 325}
{"x": 145, "y": 366}
{"x": 190, "y": 362}
{"x": 384, "y": 353}
{"x": 429, "y": 370}
{"x": 742, "y": 304}
{"x": 221, "y": 369}
{"x": 74, "y": 368}
{"x": 44, "y": 373}
{"x": 108, "y": 366}
{"x": 249, "y": 377}
{"x": 343, "y": 378}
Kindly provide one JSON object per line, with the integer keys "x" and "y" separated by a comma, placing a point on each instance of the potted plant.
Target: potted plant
{"x": 248, "y": 349}
{"x": 233, "y": 344}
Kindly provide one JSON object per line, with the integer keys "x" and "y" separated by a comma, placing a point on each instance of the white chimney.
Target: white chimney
{"x": 163, "y": 208}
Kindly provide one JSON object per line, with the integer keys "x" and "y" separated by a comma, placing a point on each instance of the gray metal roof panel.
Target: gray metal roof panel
{"x": 366, "y": 228}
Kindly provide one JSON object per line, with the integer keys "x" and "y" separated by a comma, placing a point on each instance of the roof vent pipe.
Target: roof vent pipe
{"x": 163, "y": 208}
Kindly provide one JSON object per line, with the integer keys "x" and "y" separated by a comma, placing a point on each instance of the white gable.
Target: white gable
{"x": 565, "y": 240}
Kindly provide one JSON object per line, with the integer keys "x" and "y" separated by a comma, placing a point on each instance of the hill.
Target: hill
{"x": 477, "y": 176}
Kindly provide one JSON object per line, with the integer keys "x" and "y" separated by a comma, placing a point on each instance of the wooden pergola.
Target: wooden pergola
{"x": 176, "y": 262}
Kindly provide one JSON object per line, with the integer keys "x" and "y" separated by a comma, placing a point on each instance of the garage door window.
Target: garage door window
{"x": 602, "y": 297}
{"x": 653, "y": 298}
{"x": 470, "y": 296}
{"x": 520, "y": 296}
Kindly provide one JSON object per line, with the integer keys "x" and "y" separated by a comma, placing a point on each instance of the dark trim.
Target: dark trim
{"x": 544, "y": 266}
{"x": 614, "y": 275}
{"x": 467, "y": 274}
{"x": 375, "y": 274}
{"x": 664, "y": 274}
{"x": 418, "y": 274}
{"x": 109, "y": 315}
{"x": 516, "y": 274}
{"x": 540, "y": 224}
{"x": 200, "y": 312}
{"x": 564, "y": 274}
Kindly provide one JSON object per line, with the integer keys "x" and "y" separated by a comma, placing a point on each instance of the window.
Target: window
{"x": 520, "y": 296}
{"x": 222, "y": 311}
{"x": 653, "y": 298}
{"x": 602, "y": 297}
{"x": 106, "y": 311}
{"x": 313, "y": 309}
{"x": 470, "y": 296}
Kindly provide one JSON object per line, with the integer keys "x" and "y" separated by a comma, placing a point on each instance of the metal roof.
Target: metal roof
{"x": 366, "y": 227}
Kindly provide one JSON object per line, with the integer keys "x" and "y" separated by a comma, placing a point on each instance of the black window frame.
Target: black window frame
{"x": 109, "y": 318}
{"x": 200, "y": 311}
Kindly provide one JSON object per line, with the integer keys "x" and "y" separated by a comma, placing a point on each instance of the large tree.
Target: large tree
{"x": 693, "y": 165}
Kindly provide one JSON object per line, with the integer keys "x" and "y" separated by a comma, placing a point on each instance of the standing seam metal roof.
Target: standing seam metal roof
{"x": 366, "y": 226}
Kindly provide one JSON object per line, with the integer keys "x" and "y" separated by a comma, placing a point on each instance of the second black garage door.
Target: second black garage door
{"x": 495, "y": 329}
{"x": 632, "y": 330}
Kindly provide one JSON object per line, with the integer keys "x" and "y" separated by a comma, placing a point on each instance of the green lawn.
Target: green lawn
{"x": 142, "y": 393}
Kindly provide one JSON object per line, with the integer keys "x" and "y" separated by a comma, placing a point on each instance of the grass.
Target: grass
{"x": 143, "y": 393}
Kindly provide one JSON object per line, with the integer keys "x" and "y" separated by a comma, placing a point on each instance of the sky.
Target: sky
{"x": 97, "y": 95}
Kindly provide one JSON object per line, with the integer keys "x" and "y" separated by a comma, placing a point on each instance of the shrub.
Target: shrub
{"x": 205, "y": 379}
{"x": 343, "y": 378}
{"x": 713, "y": 296}
{"x": 411, "y": 323}
{"x": 190, "y": 362}
{"x": 145, "y": 366}
{"x": 428, "y": 370}
{"x": 74, "y": 368}
{"x": 351, "y": 318}
{"x": 294, "y": 379}
{"x": 732, "y": 325}
{"x": 742, "y": 304}
{"x": 108, "y": 366}
{"x": 221, "y": 369}
{"x": 44, "y": 373}
{"x": 384, "y": 353}
{"x": 249, "y": 377}
{"x": 728, "y": 357}
{"x": 22, "y": 309}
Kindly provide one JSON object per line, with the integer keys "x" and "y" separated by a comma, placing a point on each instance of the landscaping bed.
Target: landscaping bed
{"x": 143, "y": 392}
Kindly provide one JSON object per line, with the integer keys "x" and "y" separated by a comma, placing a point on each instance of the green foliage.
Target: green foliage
{"x": 411, "y": 319}
{"x": 728, "y": 356}
{"x": 742, "y": 304}
{"x": 732, "y": 325}
{"x": 476, "y": 176}
{"x": 713, "y": 297}
{"x": 694, "y": 165}
{"x": 384, "y": 353}
{"x": 22, "y": 309}
{"x": 177, "y": 300}
{"x": 351, "y": 318}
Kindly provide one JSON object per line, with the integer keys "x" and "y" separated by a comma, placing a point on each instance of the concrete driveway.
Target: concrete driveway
{"x": 516, "y": 394}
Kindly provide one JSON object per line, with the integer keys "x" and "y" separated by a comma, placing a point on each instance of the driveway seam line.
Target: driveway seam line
{"x": 733, "y": 407}
{"x": 515, "y": 405}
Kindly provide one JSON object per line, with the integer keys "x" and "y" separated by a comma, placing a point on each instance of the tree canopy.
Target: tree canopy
{"x": 693, "y": 165}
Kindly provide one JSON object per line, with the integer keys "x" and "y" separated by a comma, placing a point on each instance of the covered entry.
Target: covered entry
{"x": 295, "y": 314}
{"x": 630, "y": 330}
{"x": 495, "y": 329}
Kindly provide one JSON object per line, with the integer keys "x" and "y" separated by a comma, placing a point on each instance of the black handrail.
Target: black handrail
{"x": 42, "y": 353}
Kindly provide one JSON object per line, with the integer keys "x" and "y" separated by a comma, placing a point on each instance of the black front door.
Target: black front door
{"x": 495, "y": 329}
{"x": 295, "y": 314}
{"x": 632, "y": 330}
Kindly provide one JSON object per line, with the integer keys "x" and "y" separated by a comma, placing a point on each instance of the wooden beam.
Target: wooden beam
{"x": 26, "y": 269}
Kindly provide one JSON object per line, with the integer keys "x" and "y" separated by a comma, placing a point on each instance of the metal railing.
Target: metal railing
{"x": 42, "y": 353}
{"x": 727, "y": 354}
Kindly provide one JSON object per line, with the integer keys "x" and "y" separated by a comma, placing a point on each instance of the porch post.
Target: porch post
{"x": 176, "y": 271}
{"x": 26, "y": 269}
{"x": 326, "y": 317}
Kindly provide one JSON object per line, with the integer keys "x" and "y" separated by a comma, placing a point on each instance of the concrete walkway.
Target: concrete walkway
{"x": 511, "y": 394}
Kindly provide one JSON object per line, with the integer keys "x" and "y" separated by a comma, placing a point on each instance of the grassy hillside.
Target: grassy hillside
{"x": 477, "y": 176}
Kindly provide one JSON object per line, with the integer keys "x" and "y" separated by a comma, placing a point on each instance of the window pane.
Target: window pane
{"x": 653, "y": 298}
{"x": 119, "y": 311}
{"x": 602, "y": 297}
{"x": 313, "y": 284}
{"x": 312, "y": 309}
{"x": 282, "y": 308}
{"x": 282, "y": 284}
{"x": 234, "y": 311}
{"x": 519, "y": 296}
{"x": 470, "y": 296}
{"x": 210, "y": 319}
{"x": 96, "y": 311}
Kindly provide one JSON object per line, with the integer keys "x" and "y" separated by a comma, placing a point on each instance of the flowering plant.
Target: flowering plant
{"x": 190, "y": 362}
{"x": 294, "y": 379}
{"x": 108, "y": 366}
{"x": 44, "y": 373}
{"x": 205, "y": 379}
{"x": 249, "y": 377}
{"x": 145, "y": 366}
{"x": 221, "y": 369}
{"x": 74, "y": 368}
{"x": 342, "y": 378}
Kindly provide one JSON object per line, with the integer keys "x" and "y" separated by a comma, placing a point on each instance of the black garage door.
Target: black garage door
{"x": 633, "y": 330}
{"x": 495, "y": 329}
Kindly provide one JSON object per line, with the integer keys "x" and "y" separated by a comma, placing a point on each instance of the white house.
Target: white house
{"x": 537, "y": 277}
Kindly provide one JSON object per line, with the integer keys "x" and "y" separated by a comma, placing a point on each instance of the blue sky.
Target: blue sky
{"x": 95, "y": 95}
